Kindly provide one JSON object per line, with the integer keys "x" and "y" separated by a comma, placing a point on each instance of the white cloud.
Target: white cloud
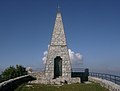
{"x": 44, "y": 57}
{"x": 76, "y": 58}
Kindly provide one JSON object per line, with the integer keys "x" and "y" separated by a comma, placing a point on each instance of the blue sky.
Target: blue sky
{"x": 92, "y": 28}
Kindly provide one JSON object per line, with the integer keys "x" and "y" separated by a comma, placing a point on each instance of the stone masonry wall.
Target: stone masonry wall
{"x": 105, "y": 83}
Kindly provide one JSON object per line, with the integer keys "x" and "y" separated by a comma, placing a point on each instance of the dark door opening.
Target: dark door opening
{"x": 57, "y": 67}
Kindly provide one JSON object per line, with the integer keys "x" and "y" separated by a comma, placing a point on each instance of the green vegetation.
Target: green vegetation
{"x": 0, "y": 78}
{"x": 12, "y": 72}
{"x": 71, "y": 87}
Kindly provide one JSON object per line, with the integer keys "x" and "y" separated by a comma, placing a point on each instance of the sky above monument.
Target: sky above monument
{"x": 92, "y": 29}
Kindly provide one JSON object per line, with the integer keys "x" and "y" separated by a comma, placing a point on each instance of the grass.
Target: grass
{"x": 71, "y": 87}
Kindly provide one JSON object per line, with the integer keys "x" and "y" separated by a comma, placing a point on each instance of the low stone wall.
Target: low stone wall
{"x": 75, "y": 80}
{"x": 11, "y": 84}
{"x": 105, "y": 83}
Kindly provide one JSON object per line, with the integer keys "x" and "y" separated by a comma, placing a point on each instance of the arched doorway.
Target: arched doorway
{"x": 57, "y": 67}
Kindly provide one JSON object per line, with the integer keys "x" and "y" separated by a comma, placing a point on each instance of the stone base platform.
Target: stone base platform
{"x": 40, "y": 78}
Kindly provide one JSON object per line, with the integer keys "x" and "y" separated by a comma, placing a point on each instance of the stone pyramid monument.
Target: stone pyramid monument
{"x": 58, "y": 64}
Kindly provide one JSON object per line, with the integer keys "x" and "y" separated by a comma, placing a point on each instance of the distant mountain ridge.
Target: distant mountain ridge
{"x": 112, "y": 72}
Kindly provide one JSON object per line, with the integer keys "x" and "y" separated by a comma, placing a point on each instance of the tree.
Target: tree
{"x": 12, "y": 72}
{"x": 9, "y": 73}
{"x": 0, "y": 78}
{"x": 21, "y": 70}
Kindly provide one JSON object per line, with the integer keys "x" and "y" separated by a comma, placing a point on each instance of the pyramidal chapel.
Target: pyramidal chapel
{"x": 58, "y": 63}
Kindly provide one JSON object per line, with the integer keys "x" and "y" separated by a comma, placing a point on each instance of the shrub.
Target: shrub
{"x": 12, "y": 72}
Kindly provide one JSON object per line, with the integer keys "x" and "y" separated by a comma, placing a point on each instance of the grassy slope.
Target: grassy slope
{"x": 72, "y": 87}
